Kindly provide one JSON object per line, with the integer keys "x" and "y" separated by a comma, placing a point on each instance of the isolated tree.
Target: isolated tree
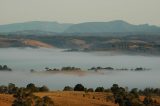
{"x": 115, "y": 89}
{"x": 23, "y": 98}
{"x": 134, "y": 91}
{"x": 5, "y": 67}
{"x": 32, "y": 87}
{"x": 119, "y": 94}
{"x": 99, "y": 89}
{"x": 79, "y": 87}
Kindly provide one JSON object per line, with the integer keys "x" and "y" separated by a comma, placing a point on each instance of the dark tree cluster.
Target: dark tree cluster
{"x": 150, "y": 92}
{"x": 24, "y": 95}
{"x": 26, "y": 98}
{"x": 125, "y": 98}
{"x": 62, "y": 69}
{"x": 99, "y": 89}
{"x": 33, "y": 88}
{"x": 70, "y": 68}
{"x": 118, "y": 69}
{"x": 5, "y": 68}
{"x": 12, "y": 89}
{"x": 79, "y": 87}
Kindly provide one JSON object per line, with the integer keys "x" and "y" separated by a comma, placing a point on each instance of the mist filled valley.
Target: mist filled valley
{"x": 22, "y": 60}
{"x": 79, "y": 53}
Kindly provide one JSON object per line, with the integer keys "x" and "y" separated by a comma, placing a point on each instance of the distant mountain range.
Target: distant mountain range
{"x": 112, "y": 26}
{"x": 43, "y": 27}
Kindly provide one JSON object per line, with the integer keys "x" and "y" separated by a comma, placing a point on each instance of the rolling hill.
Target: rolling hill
{"x": 52, "y": 28}
{"x": 42, "y": 26}
{"x": 112, "y": 26}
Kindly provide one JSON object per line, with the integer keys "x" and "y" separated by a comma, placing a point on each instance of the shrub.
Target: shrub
{"x": 90, "y": 90}
{"x": 68, "y": 88}
{"x": 134, "y": 91}
{"x": 44, "y": 89}
{"x": 22, "y": 98}
{"x": 99, "y": 89}
{"x": 26, "y": 98}
{"x": 47, "y": 101}
{"x": 32, "y": 87}
{"x": 79, "y": 87}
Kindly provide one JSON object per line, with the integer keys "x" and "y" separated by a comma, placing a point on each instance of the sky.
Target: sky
{"x": 78, "y": 11}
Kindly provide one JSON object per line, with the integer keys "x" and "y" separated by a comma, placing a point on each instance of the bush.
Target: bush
{"x": 26, "y": 98}
{"x": 44, "y": 89}
{"x": 90, "y": 90}
{"x": 11, "y": 88}
{"x": 79, "y": 87}
{"x": 99, "y": 89}
{"x": 68, "y": 88}
{"x": 32, "y": 87}
{"x": 47, "y": 101}
{"x": 134, "y": 91}
{"x": 44, "y": 101}
{"x": 23, "y": 98}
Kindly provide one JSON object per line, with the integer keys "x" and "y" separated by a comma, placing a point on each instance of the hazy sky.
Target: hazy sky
{"x": 75, "y": 11}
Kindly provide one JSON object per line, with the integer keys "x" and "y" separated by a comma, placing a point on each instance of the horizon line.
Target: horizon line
{"x": 77, "y": 22}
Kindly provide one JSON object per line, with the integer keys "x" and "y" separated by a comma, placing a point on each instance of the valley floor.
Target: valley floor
{"x": 70, "y": 98}
{"x": 67, "y": 98}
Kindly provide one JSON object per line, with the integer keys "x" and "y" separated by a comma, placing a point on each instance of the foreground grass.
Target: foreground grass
{"x": 67, "y": 98}
{"x": 71, "y": 98}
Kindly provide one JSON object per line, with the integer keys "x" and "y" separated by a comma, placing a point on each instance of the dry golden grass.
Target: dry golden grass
{"x": 71, "y": 98}
{"x": 67, "y": 98}
{"x": 6, "y": 100}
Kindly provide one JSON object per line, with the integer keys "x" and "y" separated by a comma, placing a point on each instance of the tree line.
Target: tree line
{"x": 122, "y": 96}
{"x": 24, "y": 96}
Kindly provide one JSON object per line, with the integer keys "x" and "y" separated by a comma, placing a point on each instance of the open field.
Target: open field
{"x": 71, "y": 98}
{"x": 78, "y": 98}
{"x": 67, "y": 99}
{"x": 6, "y": 100}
